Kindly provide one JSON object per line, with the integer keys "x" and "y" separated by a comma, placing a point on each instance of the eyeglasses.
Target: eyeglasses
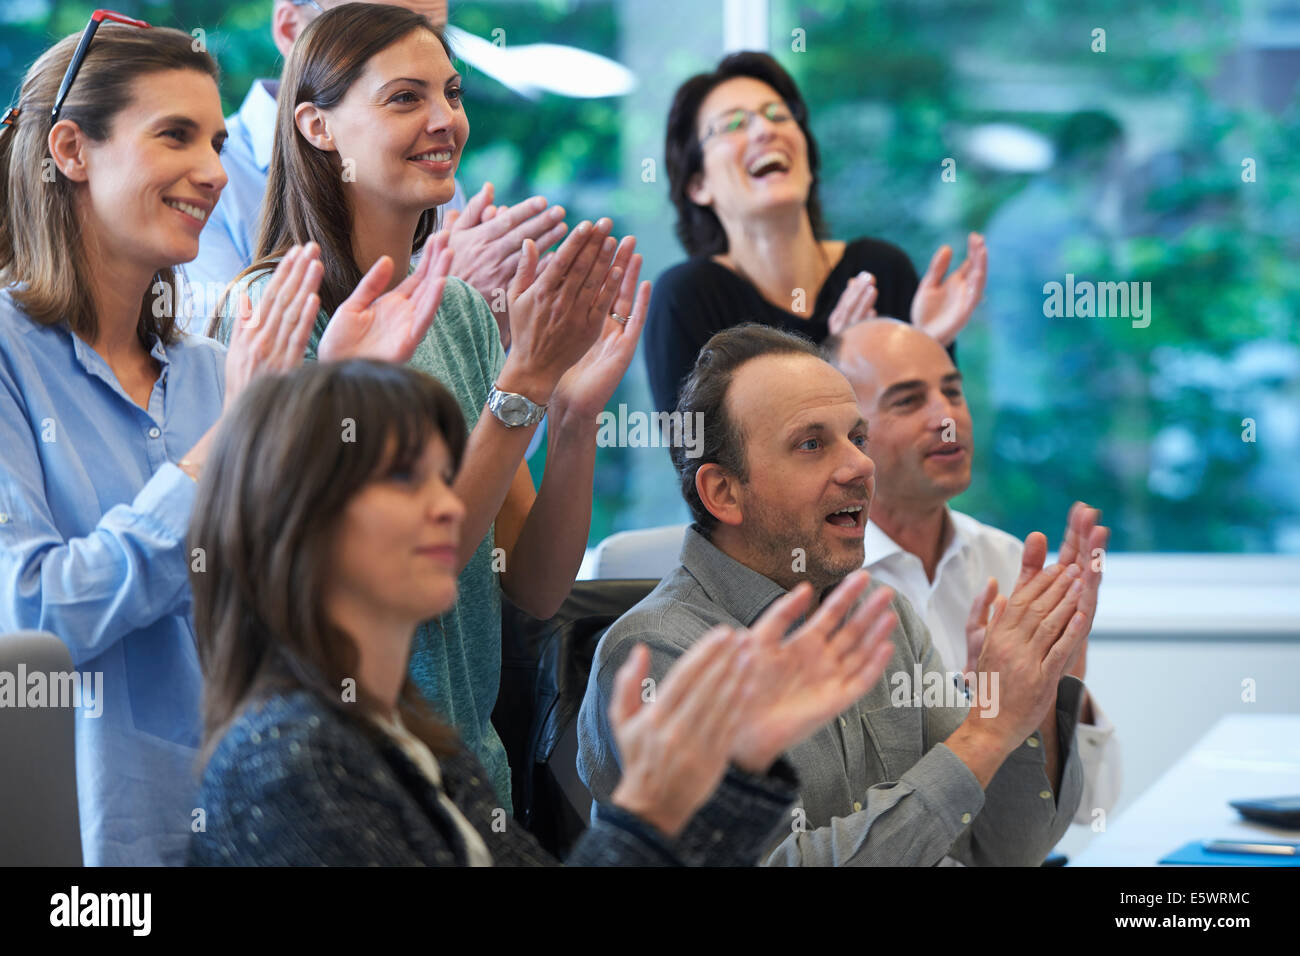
{"x": 96, "y": 18}
{"x": 733, "y": 121}
{"x": 308, "y": 3}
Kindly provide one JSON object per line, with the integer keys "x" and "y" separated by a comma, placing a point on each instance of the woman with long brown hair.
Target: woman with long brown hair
{"x": 370, "y": 130}
{"x": 331, "y": 531}
{"x": 109, "y": 164}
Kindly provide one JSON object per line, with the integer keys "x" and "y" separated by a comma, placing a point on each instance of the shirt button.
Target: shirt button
{"x": 965, "y": 818}
{"x": 1032, "y": 741}
{"x": 843, "y": 722}
{"x": 1045, "y": 794}
{"x": 154, "y": 432}
{"x": 4, "y": 518}
{"x": 857, "y": 805}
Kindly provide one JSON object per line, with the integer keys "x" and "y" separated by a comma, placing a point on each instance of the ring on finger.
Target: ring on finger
{"x": 620, "y": 319}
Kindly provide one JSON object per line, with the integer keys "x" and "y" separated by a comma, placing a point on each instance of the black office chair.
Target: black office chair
{"x": 544, "y": 670}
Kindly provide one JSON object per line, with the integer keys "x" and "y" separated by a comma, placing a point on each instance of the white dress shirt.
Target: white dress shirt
{"x": 976, "y": 553}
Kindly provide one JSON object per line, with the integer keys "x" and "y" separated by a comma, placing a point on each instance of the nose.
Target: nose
{"x": 855, "y": 465}
{"x": 211, "y": 175}
{"x": 441, "y": 114}
{"x": 940, "y": 411}
{"x": 445, "y": 506}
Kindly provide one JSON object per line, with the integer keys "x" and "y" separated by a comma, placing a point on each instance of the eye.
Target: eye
{"x": 456, "y": 94}
{"x": 954, "y": 394}
{"x": 810, "y": 441}
{"x": 860, "y": 441}
{"x": 909, "y": 400}
{"x": 409, "y": 97}
{"x": 176, "y": 133}
{"x": 735, "y": 121}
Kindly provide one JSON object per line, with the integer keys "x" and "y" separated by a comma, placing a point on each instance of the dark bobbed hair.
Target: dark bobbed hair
{"x": 705, "y": 392}
{"x": 698, "y": 227}
{"x": 291, "y": 454}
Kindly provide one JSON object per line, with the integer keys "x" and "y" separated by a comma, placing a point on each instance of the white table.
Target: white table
{"x": 1243, "y": 756}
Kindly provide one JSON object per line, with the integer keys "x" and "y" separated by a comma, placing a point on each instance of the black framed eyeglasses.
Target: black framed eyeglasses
{"x": 96, "y": 18}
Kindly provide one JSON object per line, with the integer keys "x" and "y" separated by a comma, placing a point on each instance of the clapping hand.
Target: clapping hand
{"x": 857, "y": 303}
{"x": 273, "y": 337}
{"x": 488, "y": 241}
{"x": 819, "y": 671}
{"x": 943, "y": 306}
{"x": 389, "y": 326}
{"x": 674, "y": 742}
{"x": 590, "y": 383}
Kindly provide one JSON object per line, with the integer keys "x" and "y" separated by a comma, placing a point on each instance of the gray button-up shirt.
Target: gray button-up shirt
{"x": 878, "y": 787}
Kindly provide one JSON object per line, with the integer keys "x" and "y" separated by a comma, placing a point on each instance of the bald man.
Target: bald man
{"x": 948, "y": 565}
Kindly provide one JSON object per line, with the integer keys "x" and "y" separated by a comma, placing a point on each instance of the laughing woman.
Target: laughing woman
{"x": 323, "y": 558}
{"x": 743, "y": 174}
{"x": 108, "y": 165}
{"x": 370, "y": 130}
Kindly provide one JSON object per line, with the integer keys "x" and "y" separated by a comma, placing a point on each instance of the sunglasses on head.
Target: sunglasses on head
{"x": 78, "y": 57}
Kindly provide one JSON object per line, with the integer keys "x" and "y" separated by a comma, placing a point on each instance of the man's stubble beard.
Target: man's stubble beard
{"x": 775, "y": 536}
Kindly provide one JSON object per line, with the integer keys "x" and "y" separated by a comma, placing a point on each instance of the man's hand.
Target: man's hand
{"x": 942, "y": 307}
{"x": 824, "y": 667}
{"x": 1030, "y": 640}
{"x": 488, "y": 241}
{"x": 977, "y": 623}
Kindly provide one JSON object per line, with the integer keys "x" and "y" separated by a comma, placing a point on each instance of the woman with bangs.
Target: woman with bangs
{"x": 324, "y": 557}
{"x": 109, "y": 164}
{"x": 369, "y": 134}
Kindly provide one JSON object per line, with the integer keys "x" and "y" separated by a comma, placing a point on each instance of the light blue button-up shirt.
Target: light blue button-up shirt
{"x": 93, "y": 519}
{"x": 226, "y": 244}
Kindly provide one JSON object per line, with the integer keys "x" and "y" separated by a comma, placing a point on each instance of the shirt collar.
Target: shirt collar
{"x": 257, "y": 113}
{"x": 740, "y": 591}
{"x": 879, "y": 545}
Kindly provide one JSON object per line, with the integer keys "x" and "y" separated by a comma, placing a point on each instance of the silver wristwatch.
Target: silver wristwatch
{"x": 514, "y": 410}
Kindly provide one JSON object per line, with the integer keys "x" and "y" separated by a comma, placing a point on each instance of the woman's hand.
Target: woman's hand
{"x": 942, "y": 307}
{"x": 389, "y": 326}
{"x": 857, "y": 303}
{"x": 803, "y": 681}
{"x": 273, "y": 337}
{"x": 589, "y": 384}
{"x": 557, "y": 313}
{"x": 674, "y": 740}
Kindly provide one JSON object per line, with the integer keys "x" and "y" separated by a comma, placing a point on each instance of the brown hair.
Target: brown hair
{"x": 268, "y": 508}
{"x": 305, "y": 200}
{"x": 704, "y": 392}
{"x": 40, "y": 235}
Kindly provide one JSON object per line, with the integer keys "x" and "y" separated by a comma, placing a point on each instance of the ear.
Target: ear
{"x": 719, "y": 491}
{"x": 68, "y": 145}
{"x": 285, "y": 27}
{"x": 696, "y": 191}
{"x": 314, "y": 126}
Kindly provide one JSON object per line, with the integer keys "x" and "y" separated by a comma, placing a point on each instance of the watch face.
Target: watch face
{"x": 514, "y": 409}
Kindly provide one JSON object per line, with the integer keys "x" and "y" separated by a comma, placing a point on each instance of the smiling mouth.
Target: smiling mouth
{"x": 852, "y": 516}
{"x": 954, "y": 452}
{"x": 768, "y": 163}
{"x": 197, "y": 212}
{"x": 433, "y": 156}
